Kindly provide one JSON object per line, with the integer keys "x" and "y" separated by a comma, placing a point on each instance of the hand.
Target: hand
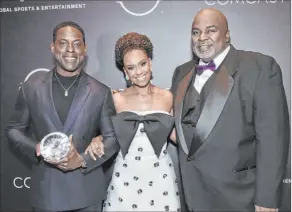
{"x": 95, "y": 148}
{"x": 73, "y": 161}
{"x": 173, "y": 135}
{"x": 38, "y": 150}
{"x": 59, "y": 164}
{"x": 262, "y": 209}
{"x": 116, "y": 91}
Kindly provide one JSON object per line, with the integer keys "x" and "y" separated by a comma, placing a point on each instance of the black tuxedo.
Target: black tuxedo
{"x": 90, "y": 113}
{"x": 234, "y": 136}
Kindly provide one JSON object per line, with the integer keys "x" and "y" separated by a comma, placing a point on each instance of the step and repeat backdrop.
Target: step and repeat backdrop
{"x": 26, "y": 34}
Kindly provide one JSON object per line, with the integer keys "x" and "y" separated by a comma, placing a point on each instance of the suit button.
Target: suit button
{"x": 189, "y": 159}
{"x": 193, "y": 125}
{"x": 83, "y": 137}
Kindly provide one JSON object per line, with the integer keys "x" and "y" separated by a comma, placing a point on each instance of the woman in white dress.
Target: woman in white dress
{"x": 143, "y": 177}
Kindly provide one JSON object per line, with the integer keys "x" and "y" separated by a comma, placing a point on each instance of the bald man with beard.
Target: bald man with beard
{"x": 232, "y": 123}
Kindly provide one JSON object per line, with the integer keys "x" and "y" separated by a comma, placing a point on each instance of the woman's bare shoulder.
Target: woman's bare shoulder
{"x": 165, "y": 98}
{"x": 164, "y": 93}
{"x": 117, "y": 94}
{"x": 120, "y": 95}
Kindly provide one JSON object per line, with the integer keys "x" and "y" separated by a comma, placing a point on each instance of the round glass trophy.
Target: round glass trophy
{"x": 55, "y": 146}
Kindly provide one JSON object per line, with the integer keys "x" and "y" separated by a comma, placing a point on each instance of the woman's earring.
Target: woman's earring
{"x": 127, "y": 77}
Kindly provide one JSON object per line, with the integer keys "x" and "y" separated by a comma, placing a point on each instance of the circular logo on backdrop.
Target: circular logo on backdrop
{"x": 135, "y": 13}
{"x": 35, "y": 71}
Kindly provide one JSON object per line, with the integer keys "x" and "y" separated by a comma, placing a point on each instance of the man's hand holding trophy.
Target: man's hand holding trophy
{"x": 59, "y": 150}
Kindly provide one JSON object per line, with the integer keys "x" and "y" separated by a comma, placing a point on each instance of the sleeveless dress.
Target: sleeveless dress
{"x": 143, "y": 176}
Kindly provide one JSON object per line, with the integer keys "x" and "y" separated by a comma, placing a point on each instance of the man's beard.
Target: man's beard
{"x": 204, "y": 50}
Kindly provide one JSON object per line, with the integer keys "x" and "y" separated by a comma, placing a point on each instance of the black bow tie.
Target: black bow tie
{"x": 157, "y": 126}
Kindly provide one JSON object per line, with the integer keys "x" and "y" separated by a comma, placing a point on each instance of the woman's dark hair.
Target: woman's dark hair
{"x": 131, "y": 41}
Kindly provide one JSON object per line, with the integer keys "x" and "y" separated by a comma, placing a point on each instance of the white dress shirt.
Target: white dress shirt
{"x": 202, "y": 79}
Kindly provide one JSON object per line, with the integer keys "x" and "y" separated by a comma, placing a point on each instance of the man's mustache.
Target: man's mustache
{"x": 206, "y": 43}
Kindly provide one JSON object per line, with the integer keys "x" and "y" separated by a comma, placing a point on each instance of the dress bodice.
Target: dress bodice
{"x": 151, "y": 126}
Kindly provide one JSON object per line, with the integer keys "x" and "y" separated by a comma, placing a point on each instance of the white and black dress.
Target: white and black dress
{"x": 143, "y": 177}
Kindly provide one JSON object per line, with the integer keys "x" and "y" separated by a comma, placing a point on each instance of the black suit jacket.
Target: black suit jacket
{"x": 243, "y": 131}
{"x": 90, "y": 113}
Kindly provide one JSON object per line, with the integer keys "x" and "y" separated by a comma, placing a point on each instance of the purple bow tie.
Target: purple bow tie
{"x": 201, "y": 68}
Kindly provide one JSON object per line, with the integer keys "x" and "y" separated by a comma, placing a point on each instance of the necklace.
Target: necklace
{"x": 66, "y": 90}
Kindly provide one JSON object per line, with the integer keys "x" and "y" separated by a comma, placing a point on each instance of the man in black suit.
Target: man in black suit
{"x": 232, "y": 123}
{"x": 66, "y": 100}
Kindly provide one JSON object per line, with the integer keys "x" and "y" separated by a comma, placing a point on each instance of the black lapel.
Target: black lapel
{"x": 178, "y": 107}
{"x": 191, "y": 97}
{"x": 50, "y": 111}
{"x": 217, "y": 98}
{"x": 79, "y": 99}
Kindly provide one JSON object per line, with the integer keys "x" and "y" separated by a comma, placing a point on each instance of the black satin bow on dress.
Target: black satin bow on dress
{"x": 157, "y": 126}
